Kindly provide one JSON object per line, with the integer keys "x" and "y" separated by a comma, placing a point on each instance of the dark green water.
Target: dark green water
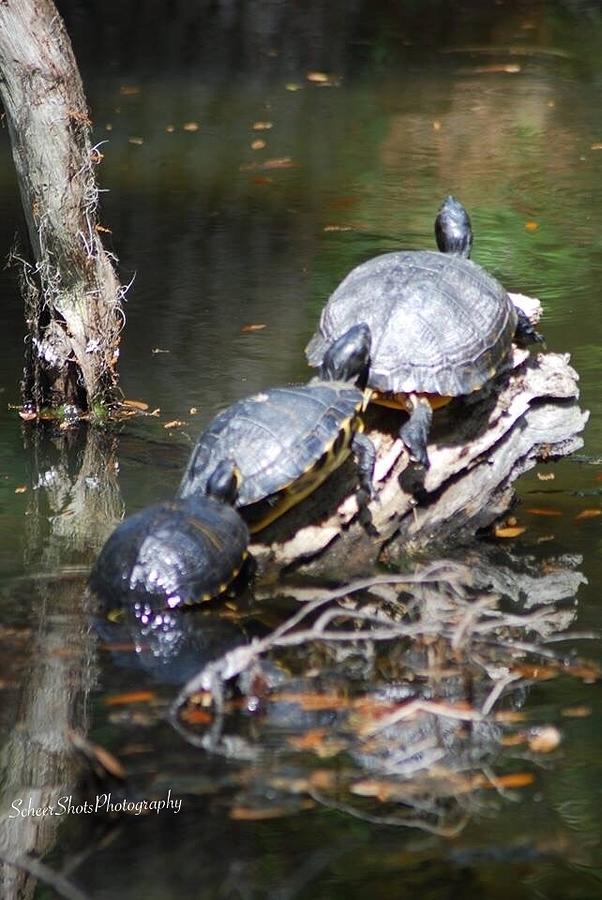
{"x": 499, "y": 103}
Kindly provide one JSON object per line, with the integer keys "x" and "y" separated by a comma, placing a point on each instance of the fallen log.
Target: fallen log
{"x": 479, "y": 445}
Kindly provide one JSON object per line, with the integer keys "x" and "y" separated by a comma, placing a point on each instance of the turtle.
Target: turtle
{"x": 287, "y": 440}
{"x": 175, "y": 553}
{"x": 441, "y": 325}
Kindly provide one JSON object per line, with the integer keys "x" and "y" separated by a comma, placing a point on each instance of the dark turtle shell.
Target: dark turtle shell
{"x": 440, "y": 323}
{"x": 285, "y": 442}
{"x": 172, "y": 554}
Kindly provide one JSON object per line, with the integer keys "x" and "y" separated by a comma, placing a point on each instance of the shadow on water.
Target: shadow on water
{"x": 241, "y": 192}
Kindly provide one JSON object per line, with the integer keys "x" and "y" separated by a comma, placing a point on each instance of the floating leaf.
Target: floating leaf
{"x": 510, "y": 716}
{"x": 193, "y": 411}
{"x": 129, "y": 90}
{"x": 544, "y": 511}
{"x": 156, "y": 350}
{"x": 544, "y": 739}
{"x": 323, "y": 779}
{"x": 136, "y": 140}
{"x": 317, "y": 740}
{"x": 506, "y": 68}
{"x": 577, "y": 712}
{"x": 258, "y": 144}
{"x": 94, "y": 752}
{"x": 313, "y": 702}
{"x": 21, "y": 489}
{"x": 535, "y": 672}
{"x": 262, "y": 179}
{"x": 509, "y": 531}
{"x": 437, "y": 125}
{"x": 175, "y": 423}
{"x": 338, "y": 228}
{"x": 130, "y": 697}
{"x": 292, "y": 86}
{"x": 170, "y": 129}
{"x": 261, "y": 126}
{"x": 256, "y": 814}
{"x": 517, "y": 780}
{"x": 283, "y": 162}
{"x": 135, "y": 404}
{"x": 196, "y": 716}
{"x": 596, "y": 146}
{"x": 310, "y": 740}
{"x": 374, "y": 787}
{"x": 191, "y": 126}
{"x": 252, "y": 326}
{"x": 318, "y": 77}
{"x": 588, "y": 514}
{"x": 531, "y": 226}
{"x": 513, "y": 740}
{"x": 546, "y": 476}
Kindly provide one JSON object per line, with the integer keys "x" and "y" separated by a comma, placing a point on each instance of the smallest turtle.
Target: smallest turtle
{"x": 176, "y": 553}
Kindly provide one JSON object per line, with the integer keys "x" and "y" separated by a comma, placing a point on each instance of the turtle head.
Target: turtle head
{"x": 453, "y": 231}
{"x": 347, "y": 359}
{"x": 224, "y": 482}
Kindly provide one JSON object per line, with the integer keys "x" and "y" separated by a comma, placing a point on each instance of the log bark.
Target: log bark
{"x": 73, "y": 295}
{"x": 479, "y": 445}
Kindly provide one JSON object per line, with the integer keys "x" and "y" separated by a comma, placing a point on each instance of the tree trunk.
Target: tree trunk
{"x": 72, "y": 293}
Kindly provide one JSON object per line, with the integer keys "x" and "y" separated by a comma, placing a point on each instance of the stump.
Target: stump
{"x": 478, "y": 447}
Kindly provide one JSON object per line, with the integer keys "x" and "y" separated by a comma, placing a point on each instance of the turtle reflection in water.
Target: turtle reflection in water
{"x": 286, "y": 441}
{"x": 177, "y": 553}
{"x": 441, "y": 325}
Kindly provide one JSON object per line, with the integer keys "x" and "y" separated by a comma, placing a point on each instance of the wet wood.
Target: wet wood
{"x": 479, "y": 446}
{"x": 71, "y": 289}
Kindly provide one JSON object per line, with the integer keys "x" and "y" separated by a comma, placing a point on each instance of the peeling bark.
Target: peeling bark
{"x": 73, "y": 295}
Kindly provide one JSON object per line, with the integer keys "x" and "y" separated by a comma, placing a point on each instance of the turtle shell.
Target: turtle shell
{"x": 172, "y": 554}
{"x": 285, "y": 442}
{"x": 440, "y": 323}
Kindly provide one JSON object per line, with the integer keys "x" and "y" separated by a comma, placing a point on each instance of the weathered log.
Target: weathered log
{"x": 73, "y": 294}
{"x": 479, "y": 445}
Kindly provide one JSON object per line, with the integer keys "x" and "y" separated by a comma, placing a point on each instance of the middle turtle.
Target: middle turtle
{"x": 287, "y": 440}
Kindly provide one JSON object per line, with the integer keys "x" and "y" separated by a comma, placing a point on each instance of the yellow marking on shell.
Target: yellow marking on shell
{"x": 311, "y": 479}
{"x": 401, "y": 401}
{"x": 115, "y": 615}
{"x": 206, "y": 532}
{"x": 204, "y": 598}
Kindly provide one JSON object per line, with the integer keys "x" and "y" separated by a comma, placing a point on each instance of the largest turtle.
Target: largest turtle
{"x": 441, "y": 325}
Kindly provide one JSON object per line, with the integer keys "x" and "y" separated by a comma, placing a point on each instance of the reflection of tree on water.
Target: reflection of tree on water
{"x": 74, "y": 501}
{"x": 398, "y": 707}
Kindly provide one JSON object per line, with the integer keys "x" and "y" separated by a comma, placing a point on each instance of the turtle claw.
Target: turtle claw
{"x": 525, "y": 330}
{"x": 414, "y": 433}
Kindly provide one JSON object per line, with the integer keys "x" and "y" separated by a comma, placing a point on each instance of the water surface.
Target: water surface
{"x": 499, "y": 104}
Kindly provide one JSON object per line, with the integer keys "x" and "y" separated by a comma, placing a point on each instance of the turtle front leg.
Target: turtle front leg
{"x": 364, "y": 453}
{"x": 414, "y": 433}
{"x": 525, "y": 330}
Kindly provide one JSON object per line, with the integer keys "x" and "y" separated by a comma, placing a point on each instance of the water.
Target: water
{"x": 498, "y": 103}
